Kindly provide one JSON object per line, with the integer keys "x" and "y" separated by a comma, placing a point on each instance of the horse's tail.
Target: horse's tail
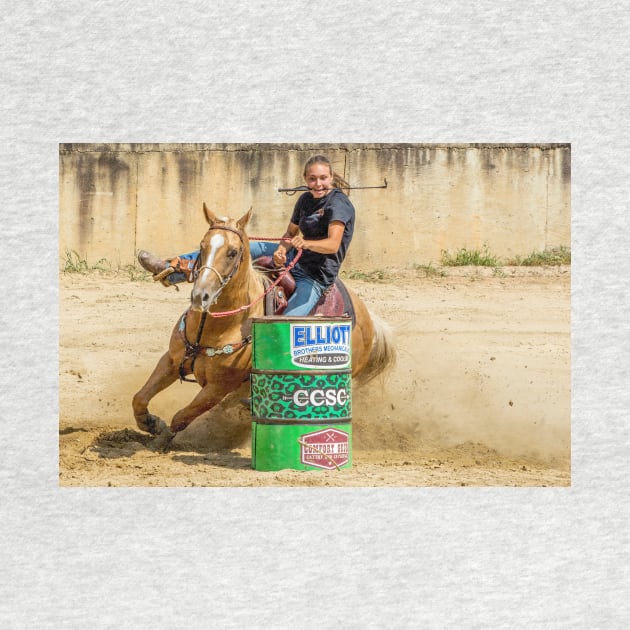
{"x": 383, "y": 353}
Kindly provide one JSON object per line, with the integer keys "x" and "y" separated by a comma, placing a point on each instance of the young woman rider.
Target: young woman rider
{"x": 322, "y": 225}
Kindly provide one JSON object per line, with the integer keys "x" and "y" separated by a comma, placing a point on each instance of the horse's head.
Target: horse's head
{"x": 223, "y": 248}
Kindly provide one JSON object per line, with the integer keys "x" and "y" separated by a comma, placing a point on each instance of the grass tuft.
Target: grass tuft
{"x": 73, "y": 263}
{"x": 549, "y": 257}
{"x": 429, "y": 270}
{"x": 377, "y": 275}
{"x": 136, "y": 274}
{"x": 465, "y": 257}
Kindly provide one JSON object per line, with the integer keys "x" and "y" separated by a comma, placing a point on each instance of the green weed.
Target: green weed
{"x": 136, "y": 274}
{"x": 549, "y": 257}
{"x": 102, "y": 265}
{"x": 377, "y": 275}
{"x": 73, "y": 263}
{"x": 465, "y": 257}
{"x": 429, "y": 270}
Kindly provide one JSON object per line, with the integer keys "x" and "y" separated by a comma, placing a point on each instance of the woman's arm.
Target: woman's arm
{"x": 328, "y": 245}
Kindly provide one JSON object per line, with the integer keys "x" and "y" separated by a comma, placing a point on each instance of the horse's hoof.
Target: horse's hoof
{"x": 163, "y": 441}
{"x": 151, "y": 424}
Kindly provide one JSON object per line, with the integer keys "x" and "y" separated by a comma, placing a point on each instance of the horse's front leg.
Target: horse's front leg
{"x": 164, "y": 374}
{"x": 210, "y": 395}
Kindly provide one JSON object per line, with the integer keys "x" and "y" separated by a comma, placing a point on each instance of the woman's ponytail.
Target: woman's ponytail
{"x": 340, "y": 182}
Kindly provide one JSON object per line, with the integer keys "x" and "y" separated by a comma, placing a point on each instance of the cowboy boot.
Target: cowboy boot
{"x": 151, "y": 263}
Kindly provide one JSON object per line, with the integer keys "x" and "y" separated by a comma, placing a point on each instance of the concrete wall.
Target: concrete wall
{"x": 117, "y": 198}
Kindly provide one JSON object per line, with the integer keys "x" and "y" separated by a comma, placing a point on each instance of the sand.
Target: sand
{"x": 480, "y": 396}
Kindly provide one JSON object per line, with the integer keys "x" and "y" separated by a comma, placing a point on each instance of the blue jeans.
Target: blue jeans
{"x": 307, "y": 291}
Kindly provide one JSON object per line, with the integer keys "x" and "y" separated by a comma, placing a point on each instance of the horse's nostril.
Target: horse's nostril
{"x": 206, "y": 297}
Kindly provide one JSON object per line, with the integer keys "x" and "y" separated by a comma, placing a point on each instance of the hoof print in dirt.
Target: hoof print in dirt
{"x": 162, "y": 442}
{"x": 123, "y": 443}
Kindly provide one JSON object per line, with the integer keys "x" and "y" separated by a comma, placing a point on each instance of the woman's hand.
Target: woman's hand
{"x": 297, "y": 242}
{"x": 328, "y": 245}
{"x": 280, "y": 256}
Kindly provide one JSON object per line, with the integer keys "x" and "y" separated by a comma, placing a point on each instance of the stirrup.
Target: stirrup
{"x": 162, "y": 277}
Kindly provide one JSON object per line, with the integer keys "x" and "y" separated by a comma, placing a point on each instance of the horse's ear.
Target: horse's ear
{"x": 244, "y": 220}
{"x": 210, "y": 218}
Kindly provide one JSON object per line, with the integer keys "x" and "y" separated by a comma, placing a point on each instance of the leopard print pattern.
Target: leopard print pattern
{"x": 302, "y": 396}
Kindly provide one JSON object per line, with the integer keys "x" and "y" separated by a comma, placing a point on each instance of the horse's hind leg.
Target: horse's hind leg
{"x": 164, "y": 374}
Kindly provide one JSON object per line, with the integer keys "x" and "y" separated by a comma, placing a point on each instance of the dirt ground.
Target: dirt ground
{"x": 480, "y": 395}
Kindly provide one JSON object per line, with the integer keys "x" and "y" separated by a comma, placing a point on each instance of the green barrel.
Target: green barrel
{"x": 301, "y": 393}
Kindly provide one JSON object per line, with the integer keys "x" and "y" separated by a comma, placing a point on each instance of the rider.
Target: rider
{"x": 325, "y": 217}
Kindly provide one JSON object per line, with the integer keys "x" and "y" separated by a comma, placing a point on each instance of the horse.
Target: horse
{"x": 227, "y": 291}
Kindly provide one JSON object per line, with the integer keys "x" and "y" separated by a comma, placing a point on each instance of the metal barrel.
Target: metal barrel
{"x": 301, "y": 393}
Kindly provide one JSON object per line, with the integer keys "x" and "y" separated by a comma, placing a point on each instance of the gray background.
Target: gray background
{"x": 296, "y": 72}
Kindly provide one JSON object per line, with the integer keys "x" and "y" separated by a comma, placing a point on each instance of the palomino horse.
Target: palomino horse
{"x": 217, "y": 349}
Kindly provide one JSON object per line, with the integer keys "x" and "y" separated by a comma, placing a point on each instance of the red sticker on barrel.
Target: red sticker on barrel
{"x": 328, "y": 448}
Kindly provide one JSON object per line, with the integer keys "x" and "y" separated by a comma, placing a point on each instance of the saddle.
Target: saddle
{"x": 334, "y": 302}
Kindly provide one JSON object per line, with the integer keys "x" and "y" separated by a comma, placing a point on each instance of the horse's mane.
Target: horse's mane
{"x": 260, "y": 275}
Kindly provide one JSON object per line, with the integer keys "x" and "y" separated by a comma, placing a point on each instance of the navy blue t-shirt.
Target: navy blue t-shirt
{"x": 314, "y": 216}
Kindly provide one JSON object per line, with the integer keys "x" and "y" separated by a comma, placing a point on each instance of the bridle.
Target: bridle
{"x": 223, "y": 280}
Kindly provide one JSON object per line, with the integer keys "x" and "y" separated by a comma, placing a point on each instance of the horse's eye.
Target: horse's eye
{"x": 232, "y": 252}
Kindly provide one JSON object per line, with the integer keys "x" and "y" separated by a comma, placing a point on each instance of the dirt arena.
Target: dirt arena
{"x": 480, "y": 395}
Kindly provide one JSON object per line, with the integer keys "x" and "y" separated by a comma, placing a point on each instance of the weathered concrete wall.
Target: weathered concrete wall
{"x": 118, "y": 198}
